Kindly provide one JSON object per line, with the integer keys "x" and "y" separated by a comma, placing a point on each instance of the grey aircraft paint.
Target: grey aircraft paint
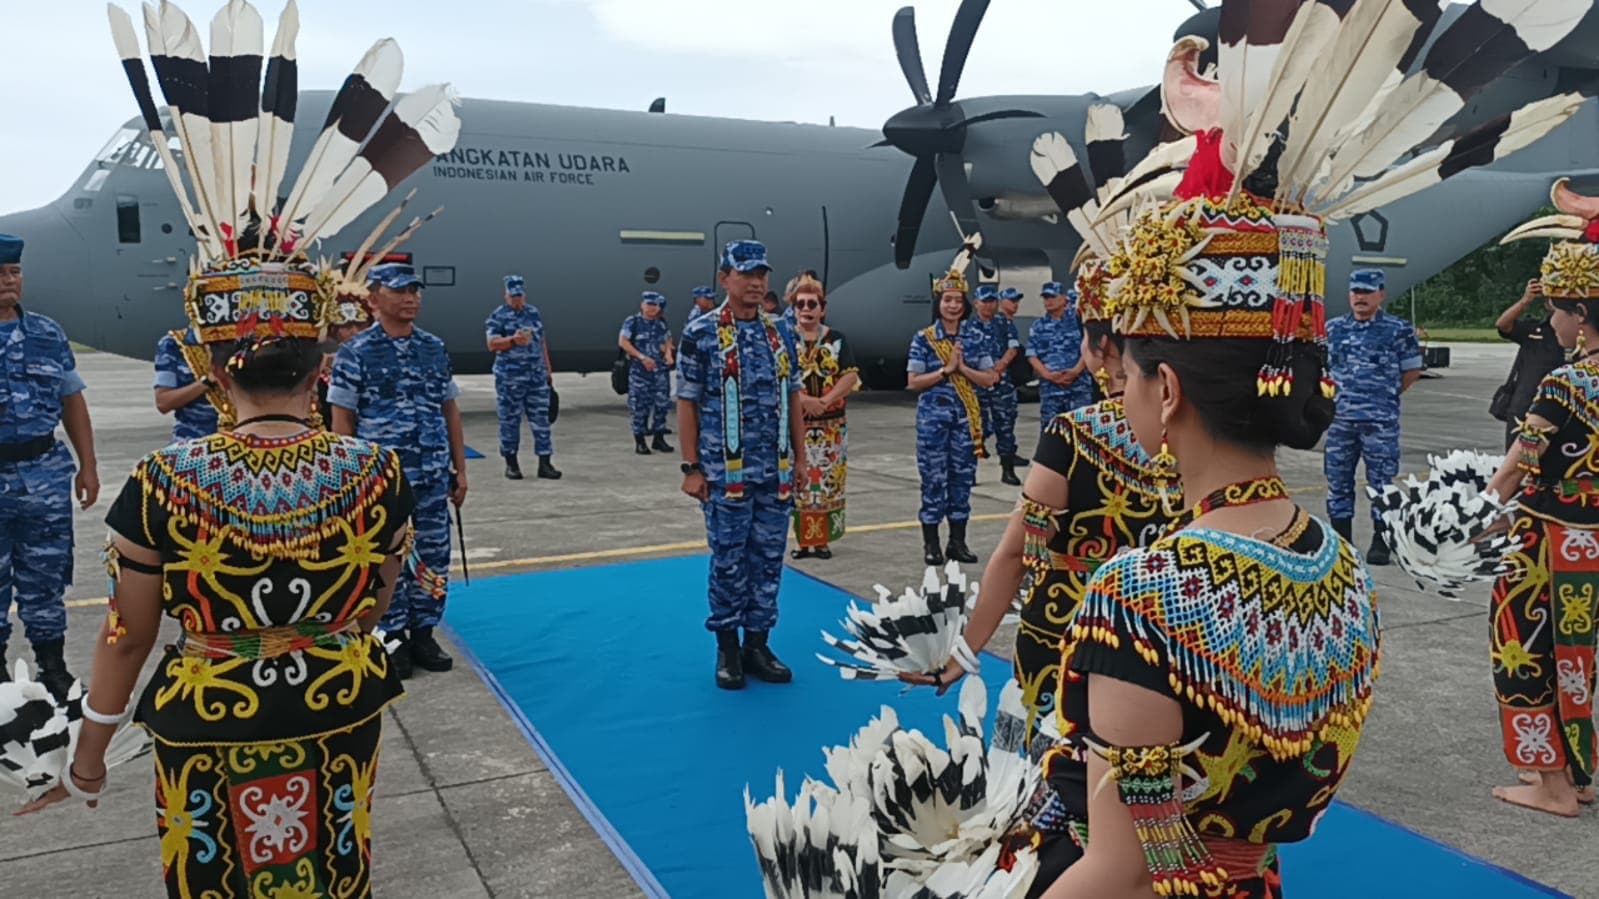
{"x": 594, "y": 206}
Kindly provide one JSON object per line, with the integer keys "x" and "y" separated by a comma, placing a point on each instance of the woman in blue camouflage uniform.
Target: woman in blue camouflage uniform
{"x": 949, "y": 361}
{"x": 646, "y": 338}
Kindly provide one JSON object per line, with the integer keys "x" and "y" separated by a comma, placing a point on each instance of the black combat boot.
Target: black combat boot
{"x": 1378, "y": 553}
{"x": 52, "y": 671}
{"x": 400, "y": 658}
{"x": 759, "y": 661}
{"x": 659, "y": 444}
{"x": 1018, "y": 461}
{"x": 639, "y": 446}
{"x": 956, "y": 549}
{"x": 513, "y": 471}
{"x": 1344, "y": 528}
{"x": 426, "y": 652}
{"x": 729, "y": 661}
{"x": 1007, "y": 473}
{"x": 930, "y": 551}
{"x": 547, "y": 471}
{"x": 5, "y": 667}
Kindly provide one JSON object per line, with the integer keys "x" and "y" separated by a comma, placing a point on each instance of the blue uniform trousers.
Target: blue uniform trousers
{"x": 1053, "y": 400}
{"x": 999, "y": 416}
{"x": 1348, "y": 442}
{"x": 413, "y": 606}
{"x": 747, "y": 538}
{"x": 944, "y": 459}
{"x": 36, "y": 544}
{"x": 515, "y": 397}
{"x": 648, "y": 397}
{"x": 665, "y": 405}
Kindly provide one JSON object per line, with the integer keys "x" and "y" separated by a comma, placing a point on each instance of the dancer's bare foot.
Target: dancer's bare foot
{"x": 1551, "y": 794}
{"x": 1584, "y": 795}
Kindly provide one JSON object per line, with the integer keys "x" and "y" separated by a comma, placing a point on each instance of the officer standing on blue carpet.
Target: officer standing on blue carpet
{"x": 742, "y": 453}
{"x": 646, "y": 338}
{"x": 704, "y": 301}
{"x": 1374, "y": 357}
{"x": 392, "y": 384}
{"x": 1055, "y": 347}
{"x": 515, "y": 334}
{"x": 999, "y": 401}
{"x": 37, "y": 482}
{"x": 178, "y": 391}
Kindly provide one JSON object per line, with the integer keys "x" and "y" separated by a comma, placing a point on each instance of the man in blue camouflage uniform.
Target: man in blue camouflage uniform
{"x": 177, "y": 390}
{"x": 515, "y": 334}
{"x": 37, "y": 483}
{"x": 646, "y": 338}
{"x": 741, "y": 466}
{"x": 1374, "y": 358}
{"x": 999, "y": 401}
{"x": 392, "y": 385}
{"x": 1055, "y": 348}
{"x": 704, "y": 301}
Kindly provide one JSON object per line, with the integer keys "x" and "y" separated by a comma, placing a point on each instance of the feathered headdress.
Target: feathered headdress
{"x": 1089, "y": 209}
{"x": 1311, "y": 97}
{"x": 1570, "y": 269}
{"x": 955, "y": 278}
{"x": 252, "y": 274}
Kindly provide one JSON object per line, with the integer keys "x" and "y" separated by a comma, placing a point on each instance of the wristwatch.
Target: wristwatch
{"x": 689, "y": 468}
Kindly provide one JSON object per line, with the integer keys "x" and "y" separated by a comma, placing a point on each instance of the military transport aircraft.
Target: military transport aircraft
{"x": 593, "y": 206}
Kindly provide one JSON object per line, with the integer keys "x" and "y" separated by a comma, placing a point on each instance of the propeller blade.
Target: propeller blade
{"x": 912, "y": 208}
{"x": 957, "y": 191}
{"x": 885, "y": 142}
{"x": 909, "y": 51}
{"x": 997, "y": 115}
{"x": 961, "y": 34}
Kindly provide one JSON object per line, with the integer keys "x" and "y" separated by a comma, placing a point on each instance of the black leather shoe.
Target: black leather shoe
{"x": 1378, "y": 553}
{"x": 426, "y": 652}
{"x": 400, "y": 658}
{"x": 957, "y": 550}
{"x": 547, "y": 470}
{"x": 513, "y": 471}
{"x": 931, "y": 554}
{"x": 5, "y": 667}
{"x": 760, "y": 663}
{"x": 822, "y": 552}
{"x": 660, "y": 445}
{"x": 1007, "y": 475}
{"x": 803, "y": 552}
{"x": 639, "y": 446}
{"x": 729, "y": 661}
{"x": 52, "y": 673}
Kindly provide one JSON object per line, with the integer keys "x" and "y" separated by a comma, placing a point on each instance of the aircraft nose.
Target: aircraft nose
{"x": 54, "y": 270}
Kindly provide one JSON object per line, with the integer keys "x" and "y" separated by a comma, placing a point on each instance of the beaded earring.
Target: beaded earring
{"x": 1164, "y": 471}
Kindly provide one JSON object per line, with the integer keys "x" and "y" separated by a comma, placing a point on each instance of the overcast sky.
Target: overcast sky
{"x": 799, "y": 60}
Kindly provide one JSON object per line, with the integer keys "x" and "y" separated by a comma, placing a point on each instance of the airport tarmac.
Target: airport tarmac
{"x": 464, "y": 806}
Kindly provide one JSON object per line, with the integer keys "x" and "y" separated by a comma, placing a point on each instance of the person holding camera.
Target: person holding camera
{"x": 1538, "y": 353}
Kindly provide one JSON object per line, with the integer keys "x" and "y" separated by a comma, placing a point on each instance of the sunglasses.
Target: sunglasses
{"x": 807, "y": 304}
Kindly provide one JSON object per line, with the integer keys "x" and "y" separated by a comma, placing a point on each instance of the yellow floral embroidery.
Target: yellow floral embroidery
{"x": 355, "y": 657}
{"x": 192, "y": 677}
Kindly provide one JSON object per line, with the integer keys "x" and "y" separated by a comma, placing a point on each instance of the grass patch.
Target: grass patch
{"x": 1463, "y": 335}
{"x": 80, "y": 349}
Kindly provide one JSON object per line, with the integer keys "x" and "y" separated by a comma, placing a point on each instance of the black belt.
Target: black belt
{"x": 27, "y": 449}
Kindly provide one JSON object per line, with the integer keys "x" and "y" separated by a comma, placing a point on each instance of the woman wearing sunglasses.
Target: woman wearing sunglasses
{"x": 827, "y": 369}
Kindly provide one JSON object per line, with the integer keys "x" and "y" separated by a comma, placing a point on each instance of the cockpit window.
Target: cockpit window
{"x": 117, "y": 145}
{"x": 127, "y": 219}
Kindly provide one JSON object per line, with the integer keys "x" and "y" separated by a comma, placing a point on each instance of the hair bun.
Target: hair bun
{"x": 1299, "y": 419}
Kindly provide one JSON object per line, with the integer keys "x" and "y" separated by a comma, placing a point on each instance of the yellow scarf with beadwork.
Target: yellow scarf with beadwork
{"x": 964, "y": 390}
{"x": 198, "y": 358}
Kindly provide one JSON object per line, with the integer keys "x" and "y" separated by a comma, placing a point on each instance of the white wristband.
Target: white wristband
{"x": 966, "y": 658}
{"x": 90, "y": 714}
{"x": 78, "y": 792}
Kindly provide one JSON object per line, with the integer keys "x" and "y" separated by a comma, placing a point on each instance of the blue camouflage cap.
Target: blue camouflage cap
{"x": 515, "y": 285}
{"x": 1366, "y": 280}
{"x": 985, "y": 293}
{"x": 654, "y": 299}
{"x": 705, "y": 293}
{"x": 745, "y": 256}
{"x": 1010, "y": 293}
{"x": 393, "y": 275}
{"x": 1052, "y": 289}
{"x": 10, "y": 250}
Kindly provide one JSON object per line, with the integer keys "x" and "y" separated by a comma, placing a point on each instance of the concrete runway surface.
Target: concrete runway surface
{"x": 465, "y": 808}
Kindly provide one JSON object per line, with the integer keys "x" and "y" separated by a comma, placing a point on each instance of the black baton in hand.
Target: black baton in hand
{"x": 460, "y": 532}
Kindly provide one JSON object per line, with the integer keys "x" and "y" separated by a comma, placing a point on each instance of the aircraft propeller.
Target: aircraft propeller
{"x": 934, "y": 131}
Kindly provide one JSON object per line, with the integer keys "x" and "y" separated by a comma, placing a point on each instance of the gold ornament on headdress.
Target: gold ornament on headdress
{"x": 1570, "y": 270}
